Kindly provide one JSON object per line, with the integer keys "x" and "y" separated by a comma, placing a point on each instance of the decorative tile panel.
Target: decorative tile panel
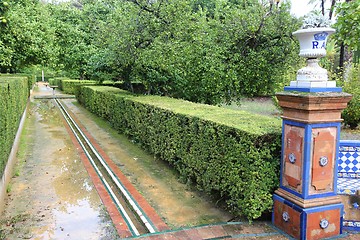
{"x": 323, "y": 159}
{"x": 287, "y": 218}
{"x": 293, "y": 157}
{"x": 323, "y": 224}
{"x": 307, "y": 223}
{"x": 348, "y": 186}
{"x": 349, "y": 161}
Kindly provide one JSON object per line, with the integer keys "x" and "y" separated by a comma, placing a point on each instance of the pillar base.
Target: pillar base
{"x": 307, "y": 223}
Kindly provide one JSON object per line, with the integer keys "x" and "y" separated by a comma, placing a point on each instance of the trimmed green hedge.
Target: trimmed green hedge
{"x": 14, "y": 92}
{"x": 69, "y": 86}
{"x": 231, "y": 153}
{"x": 56, "y": 81}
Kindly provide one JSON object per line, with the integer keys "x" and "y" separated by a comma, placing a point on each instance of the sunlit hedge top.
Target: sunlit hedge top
{"x": 250, "y": 122}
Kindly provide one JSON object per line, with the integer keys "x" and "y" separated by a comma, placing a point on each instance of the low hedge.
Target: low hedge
{"x": 231, "y": 153}
{"x": 14, "y": 92}
{"x": 69, "y": 86}
{"x": 56, "y": 81}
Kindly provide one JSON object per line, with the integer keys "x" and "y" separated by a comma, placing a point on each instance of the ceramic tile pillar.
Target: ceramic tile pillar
{"x": 306, "y": 205}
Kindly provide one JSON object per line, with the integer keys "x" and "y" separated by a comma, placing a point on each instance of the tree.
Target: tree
{"x": 330, "y": 12}
{"x": 204, "y": 51}
{"x": 348, "y": 30}
{"x": 71, "y": 40}
{"x": 27, "y": 37}
{"x": 4, "y": 5}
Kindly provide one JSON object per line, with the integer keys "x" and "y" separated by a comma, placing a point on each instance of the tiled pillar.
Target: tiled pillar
{"x": 306, "y": 205}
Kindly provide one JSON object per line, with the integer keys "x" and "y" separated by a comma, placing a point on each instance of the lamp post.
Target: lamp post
{"x": 306, "y": 205}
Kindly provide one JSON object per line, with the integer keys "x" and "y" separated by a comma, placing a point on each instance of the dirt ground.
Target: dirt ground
{"x": 51, "y": 195}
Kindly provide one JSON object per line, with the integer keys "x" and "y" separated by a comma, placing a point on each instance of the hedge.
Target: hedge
{"x": 69, "y": 86}
{"x": 14, "y": 92}
{"x": 351, "y": 114}
{"x": 232, "y": 154}
{"x": 56, "y": 81}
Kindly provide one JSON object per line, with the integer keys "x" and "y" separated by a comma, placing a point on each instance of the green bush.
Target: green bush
{"x": 351, "y": 114}
{"x": 69, "y": 86}
{"x": 56, "y": 81}
{"x": 14, "y": 92}
{"x": 232, "y": 154}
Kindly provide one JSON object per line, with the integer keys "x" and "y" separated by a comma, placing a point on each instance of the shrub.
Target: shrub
{"x": 56, "y": 81}
{"x": 234, "y": 154}
{"x": 69, "y": 86}
{"x": 351, "y": 114}
{"x": 14, "y": 92}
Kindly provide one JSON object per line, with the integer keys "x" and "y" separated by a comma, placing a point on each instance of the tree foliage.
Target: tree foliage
{"x": 347, "y": 25}
{"x": 26, "y": 37}
{"x": 203, "y": 51}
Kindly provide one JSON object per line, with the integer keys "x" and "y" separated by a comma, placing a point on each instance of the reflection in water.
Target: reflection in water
{"x": 74, "y": 221}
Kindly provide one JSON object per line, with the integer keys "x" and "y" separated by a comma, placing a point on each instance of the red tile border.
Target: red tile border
{"x": 115, "y": 216}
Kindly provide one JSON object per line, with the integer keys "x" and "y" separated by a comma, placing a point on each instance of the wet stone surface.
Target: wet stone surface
{"x": 51, "y": 195}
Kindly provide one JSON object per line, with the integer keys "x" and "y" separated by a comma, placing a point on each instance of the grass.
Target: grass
{"x": 23, "y": 146}
{"x": 13, "y": 224}
{"x": 262, "y": 106}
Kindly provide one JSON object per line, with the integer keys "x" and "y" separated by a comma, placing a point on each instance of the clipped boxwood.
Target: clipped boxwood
{"x": 231, "y": 153}
{"x": 69, "y": 86}
{"x": 56, "y": 81}
{"x": 14, "y": 92}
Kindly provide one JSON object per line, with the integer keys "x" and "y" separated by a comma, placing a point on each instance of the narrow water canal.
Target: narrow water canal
{"x": 52, "y": 197}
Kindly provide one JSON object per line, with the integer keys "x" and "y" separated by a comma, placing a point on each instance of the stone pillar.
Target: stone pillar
{"x": 306, "y": 205}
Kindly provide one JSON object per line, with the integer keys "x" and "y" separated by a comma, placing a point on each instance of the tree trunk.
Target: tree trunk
{"x": 332, "y": 8}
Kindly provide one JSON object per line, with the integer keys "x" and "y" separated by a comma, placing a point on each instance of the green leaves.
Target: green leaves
{"x": 347, "y": 24}
{"x": 351, "y": 114}
{"x": 202, "y": 51}
{"x": 27, "y": 38}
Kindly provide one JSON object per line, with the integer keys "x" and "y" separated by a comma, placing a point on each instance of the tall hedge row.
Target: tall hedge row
{"x": 14, "y": 92}
{"x": 231, "y": 154}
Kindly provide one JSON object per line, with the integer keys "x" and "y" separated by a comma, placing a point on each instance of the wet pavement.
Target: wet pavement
{"x": 51, "y": 195}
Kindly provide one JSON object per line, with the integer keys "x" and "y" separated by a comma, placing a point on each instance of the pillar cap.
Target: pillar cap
{"x": 314, "y": 106}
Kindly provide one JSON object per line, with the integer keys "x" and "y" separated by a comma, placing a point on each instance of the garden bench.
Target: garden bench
{"x": 348, "y": 183}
